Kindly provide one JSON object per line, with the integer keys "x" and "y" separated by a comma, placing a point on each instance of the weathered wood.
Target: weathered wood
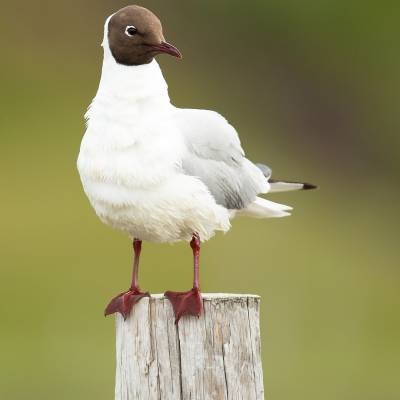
{"x": 214, "y": 357}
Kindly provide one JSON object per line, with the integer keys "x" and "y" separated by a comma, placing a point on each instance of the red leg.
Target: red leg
{"x": 124, "y": 302}
{"x": 190, "y": 302}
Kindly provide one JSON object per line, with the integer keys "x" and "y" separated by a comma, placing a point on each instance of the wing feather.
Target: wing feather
{"x": 215, "y": 155}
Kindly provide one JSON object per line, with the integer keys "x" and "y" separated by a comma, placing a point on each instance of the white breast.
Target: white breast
{"x": 130, "y": 158}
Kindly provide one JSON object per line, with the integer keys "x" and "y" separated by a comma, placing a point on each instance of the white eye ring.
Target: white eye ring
{"x": 130, "y": 30}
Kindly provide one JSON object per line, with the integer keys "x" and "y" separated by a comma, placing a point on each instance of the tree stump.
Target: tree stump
{"x": 214, "y": 357}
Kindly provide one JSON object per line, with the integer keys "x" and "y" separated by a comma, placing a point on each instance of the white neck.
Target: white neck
{"x": 136, "y": 82}
{"x": 126, "y": 92}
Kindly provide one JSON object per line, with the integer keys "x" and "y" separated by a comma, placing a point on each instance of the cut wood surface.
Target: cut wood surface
{"x": 214, "y": 357}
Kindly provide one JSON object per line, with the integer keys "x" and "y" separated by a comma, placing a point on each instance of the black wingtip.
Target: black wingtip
{"x": 309, "y": 186}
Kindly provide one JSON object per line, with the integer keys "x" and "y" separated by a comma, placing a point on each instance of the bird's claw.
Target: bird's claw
{"x": 124, "y": 302}
{"x": 185, "y": 303}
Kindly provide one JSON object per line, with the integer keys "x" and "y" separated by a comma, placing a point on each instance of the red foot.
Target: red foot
{"x": 185, "y": 303}
{"x": 124, "y": 302}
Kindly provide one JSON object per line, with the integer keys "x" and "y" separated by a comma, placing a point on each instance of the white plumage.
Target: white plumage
{"x": 160, "y": 173}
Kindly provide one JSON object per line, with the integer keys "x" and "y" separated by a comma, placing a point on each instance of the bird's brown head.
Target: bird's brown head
{"x": 135, "y": 36}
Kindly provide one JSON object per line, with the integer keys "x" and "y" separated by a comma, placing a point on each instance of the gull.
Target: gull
{"x": 157, "y": 172}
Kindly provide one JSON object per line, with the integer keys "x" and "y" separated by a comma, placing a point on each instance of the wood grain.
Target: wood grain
{"x": 214, "y": 357}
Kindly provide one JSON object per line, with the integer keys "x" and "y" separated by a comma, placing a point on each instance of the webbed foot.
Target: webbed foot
{"x": 124, "y": 302}
{"x": 185, "y": 303}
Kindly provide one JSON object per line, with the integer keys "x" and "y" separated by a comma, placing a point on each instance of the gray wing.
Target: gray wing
{"x": 215, "y": 156}
{"x": 267, "y": 171}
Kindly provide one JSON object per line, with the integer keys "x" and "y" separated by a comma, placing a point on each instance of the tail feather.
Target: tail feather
{"x": 262, "y": 208}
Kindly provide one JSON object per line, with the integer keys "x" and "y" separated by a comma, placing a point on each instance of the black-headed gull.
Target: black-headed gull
{"x": 158, "y": 172}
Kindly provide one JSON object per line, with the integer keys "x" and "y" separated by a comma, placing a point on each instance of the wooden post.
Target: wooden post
{"x": 214, "y": 357}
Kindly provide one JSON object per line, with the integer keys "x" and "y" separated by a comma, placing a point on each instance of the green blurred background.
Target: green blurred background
{"x": 313, "y": 89}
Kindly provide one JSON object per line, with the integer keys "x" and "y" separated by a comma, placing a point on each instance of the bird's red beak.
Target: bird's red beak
{"x": 167, "y": 48}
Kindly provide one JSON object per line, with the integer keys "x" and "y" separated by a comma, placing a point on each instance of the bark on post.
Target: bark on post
{"x": 214, "y": 357}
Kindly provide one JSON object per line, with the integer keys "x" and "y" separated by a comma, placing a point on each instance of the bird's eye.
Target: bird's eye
{"x": 130, "y": 30}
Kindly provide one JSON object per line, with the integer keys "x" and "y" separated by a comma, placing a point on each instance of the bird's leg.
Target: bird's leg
{"x": 124, "y": 302}
{"x": 190, "y": 302}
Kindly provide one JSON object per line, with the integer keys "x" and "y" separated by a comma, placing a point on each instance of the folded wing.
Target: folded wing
{"x": 214, "y": 155}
